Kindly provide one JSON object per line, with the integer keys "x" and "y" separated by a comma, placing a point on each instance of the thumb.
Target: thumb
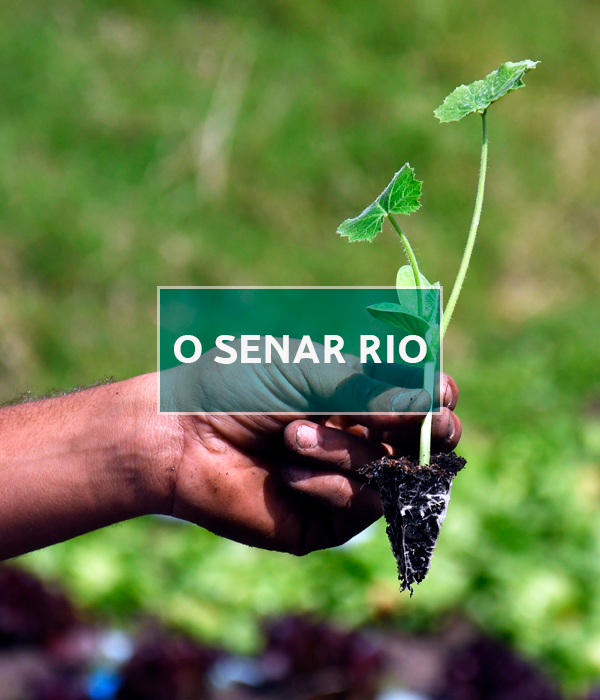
{"x": 340, "y": 388}
{"x": 358, "y": 393}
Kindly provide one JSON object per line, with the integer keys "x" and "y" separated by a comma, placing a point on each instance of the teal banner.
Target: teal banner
{"x": 298, "y": 350}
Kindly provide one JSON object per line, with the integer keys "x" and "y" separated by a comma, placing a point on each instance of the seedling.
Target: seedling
{"x": 415, "y": 496}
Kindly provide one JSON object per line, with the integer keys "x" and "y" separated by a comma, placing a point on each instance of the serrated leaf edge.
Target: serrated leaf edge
{"x": 532, "y": 66}
{"x": 384, "y": 212}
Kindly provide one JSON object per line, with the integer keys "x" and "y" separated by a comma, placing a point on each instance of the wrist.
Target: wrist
{"x": 148, "y": 449}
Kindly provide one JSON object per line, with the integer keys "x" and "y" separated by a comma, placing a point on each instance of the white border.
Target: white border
{"x": 276, "y": 413}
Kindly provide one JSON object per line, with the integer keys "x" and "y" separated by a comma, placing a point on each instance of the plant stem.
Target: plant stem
{"x": 413, "y": 262}
{"x": 425, "y": 444}
{"x": 464, "y": 265}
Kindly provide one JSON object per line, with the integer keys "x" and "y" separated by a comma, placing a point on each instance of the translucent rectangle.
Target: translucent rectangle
{"x": 288, "y": 357}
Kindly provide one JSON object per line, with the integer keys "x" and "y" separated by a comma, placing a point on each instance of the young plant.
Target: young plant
{"x": 410, "y": 491}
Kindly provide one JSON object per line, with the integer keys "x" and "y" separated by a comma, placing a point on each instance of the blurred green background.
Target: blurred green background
{"x": 180, "y": 142}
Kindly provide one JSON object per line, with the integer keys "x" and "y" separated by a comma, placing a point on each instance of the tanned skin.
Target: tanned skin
{"x": 82, "y": 461}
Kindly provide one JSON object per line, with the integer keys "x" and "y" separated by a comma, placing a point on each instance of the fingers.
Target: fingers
{"x": 336, "y": 508}
{"x": 449, "y": 391}
{"x": 358, "y": 393}
{"x": 346, "y": 451}
{"x": 412, "y": 378}
{"x": 338, "y": 505}
{"x": 396, "y": 373}
{"x": 344, "y": 388}
{"x": 384, "y": 421}
{"x": 445, "y": 391}
{"x": 351, "y": 387}
{"x": 326, "y": 477}
{"x": 445, "y": 387}
{"x": 350, "y": 505}
{"x": 331, "y": 448}
{"x": 446, "y": 431}
{"x": 337, "y": 491}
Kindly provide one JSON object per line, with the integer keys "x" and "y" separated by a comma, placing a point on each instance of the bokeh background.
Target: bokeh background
{"x": 182, "y": 142}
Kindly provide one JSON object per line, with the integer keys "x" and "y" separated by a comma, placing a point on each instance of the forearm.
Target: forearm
{"x": 82, "y": 461}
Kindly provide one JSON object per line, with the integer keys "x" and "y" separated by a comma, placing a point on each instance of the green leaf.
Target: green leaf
{"x": 478, "y": 96}
{"x": 433, "y": 340}
{"x": 401, "y": 196}
{"x": 365, "y": 226}
{"x": 400, "y": 317}
{"x": 405, "y": 279}
{"x": 397, "y": 316}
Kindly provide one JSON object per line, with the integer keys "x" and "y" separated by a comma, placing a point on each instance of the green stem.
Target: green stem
{"x": 425, "y": 442}
{"x": 412, "y": 259}
{"x": 425, "y": 445}
{"x": 464, "y": 265}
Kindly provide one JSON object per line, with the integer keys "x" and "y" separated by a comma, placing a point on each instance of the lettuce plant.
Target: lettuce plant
{"x": 401, "y": 196}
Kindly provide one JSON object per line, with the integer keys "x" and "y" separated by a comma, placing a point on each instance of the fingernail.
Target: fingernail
{"x": 306, "y": 437}
{"x": 448, "y": 395}
{"x": 406, "y": 401}
{"x": 451, "y": 428}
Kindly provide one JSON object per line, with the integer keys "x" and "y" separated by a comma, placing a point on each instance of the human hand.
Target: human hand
{"x": 93, "y": 458}
{"x": 287, "y": 481}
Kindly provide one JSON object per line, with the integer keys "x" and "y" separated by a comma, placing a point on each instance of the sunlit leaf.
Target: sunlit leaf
{"x": 365, "y": 226}
{"x": 478, "y": 96}
{"x": 405, "y": 279}
{"x": 401, "y": 196}
{"x": 407, "y": 292}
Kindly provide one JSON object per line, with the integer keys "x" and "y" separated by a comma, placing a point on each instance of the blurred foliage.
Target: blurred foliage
{"x": 173, "y": 142}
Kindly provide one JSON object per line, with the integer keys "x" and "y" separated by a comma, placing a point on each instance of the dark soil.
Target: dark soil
{"x": 415, "y": 500}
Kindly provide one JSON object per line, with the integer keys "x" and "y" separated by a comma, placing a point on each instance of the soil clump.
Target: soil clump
{"x": 415, "y": 501}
